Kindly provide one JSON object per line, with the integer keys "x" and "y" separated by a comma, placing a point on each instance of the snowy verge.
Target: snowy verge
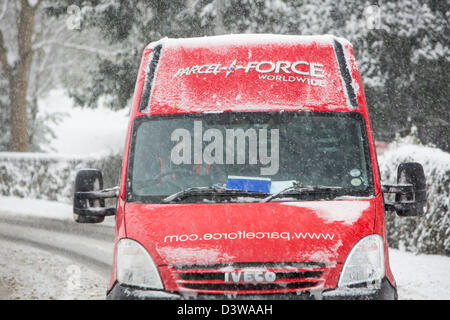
{"x": 36, "y": 208}
{"x": 41, "y": 209}
{"x": 40, "y": 176}
{"x": 420, "y": 276}
{"x": 51, "y": 176}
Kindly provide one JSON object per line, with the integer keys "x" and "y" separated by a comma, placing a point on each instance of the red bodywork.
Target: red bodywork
{"x": 209, "y": 89}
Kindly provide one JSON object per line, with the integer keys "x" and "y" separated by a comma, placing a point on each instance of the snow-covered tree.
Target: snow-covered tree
{"x": 38, "y": 52}
{"x": 409, "y": 83}
{"x": 128, "y": 26}
{"x": 402, "y": 48}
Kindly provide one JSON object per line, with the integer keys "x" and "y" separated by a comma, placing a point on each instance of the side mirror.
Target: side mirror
{"x": 89, "y": 197}
{"x": 410, "y": 191}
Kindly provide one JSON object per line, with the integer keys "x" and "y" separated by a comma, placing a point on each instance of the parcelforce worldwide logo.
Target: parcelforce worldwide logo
{"x": 311, "y": 73}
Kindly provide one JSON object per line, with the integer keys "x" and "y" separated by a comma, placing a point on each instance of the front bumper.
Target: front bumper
{"x": 384, "y": 292}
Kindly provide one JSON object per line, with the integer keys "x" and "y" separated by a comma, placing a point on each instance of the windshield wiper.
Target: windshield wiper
{"x": 303, "y": 190}
{"x": 196, "y": 191}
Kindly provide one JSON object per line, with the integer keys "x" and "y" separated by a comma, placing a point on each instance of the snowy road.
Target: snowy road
{"x": 41, "y": 255}
{"x": 53, "y": 259}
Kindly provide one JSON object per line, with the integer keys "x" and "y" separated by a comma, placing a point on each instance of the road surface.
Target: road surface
{"x": 53, "y": 259}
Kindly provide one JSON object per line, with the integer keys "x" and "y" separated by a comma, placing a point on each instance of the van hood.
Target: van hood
{"x": 307, "y": 231}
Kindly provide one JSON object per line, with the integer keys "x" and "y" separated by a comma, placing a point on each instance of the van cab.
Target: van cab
{"x": 250, "y": 172}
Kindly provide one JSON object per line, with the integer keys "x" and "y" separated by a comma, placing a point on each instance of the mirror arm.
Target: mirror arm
{"x": 95, "y": 195}
{"x": 396, "y": 206}
{"x": 404, "y": 189}
{"x": 388, "y": 206}
{"x": 92, "y": 212}
{"x": 397, "y": 188}
{"x": 410, "y": 190}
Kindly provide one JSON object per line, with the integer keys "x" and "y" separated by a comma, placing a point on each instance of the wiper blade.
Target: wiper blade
{"x": 195, "y": 191}
{"x": 303, "y": 190}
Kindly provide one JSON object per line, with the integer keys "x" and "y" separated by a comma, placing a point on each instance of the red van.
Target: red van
{"x": 250, "y": 172}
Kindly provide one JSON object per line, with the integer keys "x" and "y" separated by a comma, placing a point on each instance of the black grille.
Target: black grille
{"x": 249, "y": 286}
{"x": 220, "y": 275}
{"x": 289, "y": 277}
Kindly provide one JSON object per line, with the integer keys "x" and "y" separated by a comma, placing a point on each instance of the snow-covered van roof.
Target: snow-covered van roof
{"x": 249, "y": 72}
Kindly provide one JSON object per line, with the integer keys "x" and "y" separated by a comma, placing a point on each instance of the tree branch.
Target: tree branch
{"x": 25, "y": 3}
{"x": 94, "y": 50}
{"x": 36, "y": 6}
{"x": 4, "y": 59}
{"x": 5, "y": 7}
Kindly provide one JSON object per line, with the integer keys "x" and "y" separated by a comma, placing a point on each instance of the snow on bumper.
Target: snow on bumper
{"x": 385, "y": 292}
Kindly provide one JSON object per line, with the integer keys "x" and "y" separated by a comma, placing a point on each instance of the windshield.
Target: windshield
{"x": 255, "y": 152}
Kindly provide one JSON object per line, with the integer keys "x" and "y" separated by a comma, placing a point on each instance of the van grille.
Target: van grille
{"x": 212, "y": 278}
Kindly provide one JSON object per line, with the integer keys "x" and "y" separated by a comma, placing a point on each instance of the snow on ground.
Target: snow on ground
{"x": 421, "y": 276}
{"x": 37, "y": 208}
{"x": 85, "y": 131}
{"x": 28, "y": 273}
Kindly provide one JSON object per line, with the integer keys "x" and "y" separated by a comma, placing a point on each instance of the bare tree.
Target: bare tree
{"x": 33, "y": 60}
{"x": 17, "y": 68}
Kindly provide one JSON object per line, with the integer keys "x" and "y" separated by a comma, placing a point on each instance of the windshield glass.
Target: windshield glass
{"x": 261, "y": 152}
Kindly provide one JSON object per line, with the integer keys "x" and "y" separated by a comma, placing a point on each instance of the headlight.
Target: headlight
{"x": 135, "y": 266}
{"x": 365, "y": 263}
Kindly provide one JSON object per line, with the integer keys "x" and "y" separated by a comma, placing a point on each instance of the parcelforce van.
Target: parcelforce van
{"x": 250, "y": 171}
